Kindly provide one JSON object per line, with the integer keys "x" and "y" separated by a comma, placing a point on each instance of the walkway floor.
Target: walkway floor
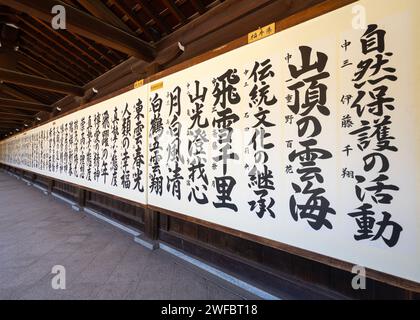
{"x": 101, "y": 262}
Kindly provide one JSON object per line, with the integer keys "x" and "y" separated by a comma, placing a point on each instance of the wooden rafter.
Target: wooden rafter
{"x": 101, "y": 11}
{"x": 49, "y": 48}
{"x": 42, "y": 68}
{"x": 140, "y": 25}
{"x": 63, "y": 36}
{"x": 25, "y": 105}
{"x": 154, "y": 16}
{"x": 98, "y": 49}
{"x": 38, "y": 82}
{"x": 57, "y": 47}
{"x": 173, "y": 8}
{"x": 39, "y": 95}
{"x": 5, "y": 114}
{"x": 88, "y": 26}
{"x": 16, "y": 93}
{"x": 52, "y": 62}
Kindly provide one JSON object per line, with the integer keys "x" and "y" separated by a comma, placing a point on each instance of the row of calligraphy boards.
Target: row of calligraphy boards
{"x": 306, "y": 137}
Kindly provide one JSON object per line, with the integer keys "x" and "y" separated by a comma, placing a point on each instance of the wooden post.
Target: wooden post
{"x": 50, "y": 186}
{"x": 150, "y": 236}
{"x": 81, "y": 197}
{"x": 151, "y": 224}
{"x": 80, "y": 200}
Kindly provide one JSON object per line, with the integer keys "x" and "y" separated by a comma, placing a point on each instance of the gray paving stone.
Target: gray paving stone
{"x": 101, "y": 262}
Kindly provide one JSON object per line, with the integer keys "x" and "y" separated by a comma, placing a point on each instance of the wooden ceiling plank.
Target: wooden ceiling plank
{"x": 88, "y": 26}
{"x": 38, "y": 82}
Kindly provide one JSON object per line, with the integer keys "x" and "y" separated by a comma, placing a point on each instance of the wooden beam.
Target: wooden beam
{"x": 15, "y": 113}
{"x": 8, "y": 116}
{"x": 43, "y": 69}
{"x": 88, "y": 26}
{"x": 231, "y": 20}
{"x": 52, "y": 61}
{"x": 16, "y": 93}
{"x": 10, "y": 125}
{"x": 25, "y": 105}
{"x": 39, "y": 82}
{"x": 13, "y": 124}
{"x": 15, "y": 121}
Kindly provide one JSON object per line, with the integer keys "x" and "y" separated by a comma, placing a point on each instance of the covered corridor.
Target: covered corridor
{"x": 101, "y": 262}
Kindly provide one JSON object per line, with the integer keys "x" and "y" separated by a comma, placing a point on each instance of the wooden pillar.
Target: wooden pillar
{"x": 81, "y": 197}
{"x": 150, "y": 236}
{"x": 151, "y": 224}
{"x": 50, "y": 185}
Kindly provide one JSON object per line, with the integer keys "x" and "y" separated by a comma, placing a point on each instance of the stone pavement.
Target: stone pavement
{"x": 101, "y": 262}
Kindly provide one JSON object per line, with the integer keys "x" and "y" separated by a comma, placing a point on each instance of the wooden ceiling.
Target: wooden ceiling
{"x": 39, "y": 66}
